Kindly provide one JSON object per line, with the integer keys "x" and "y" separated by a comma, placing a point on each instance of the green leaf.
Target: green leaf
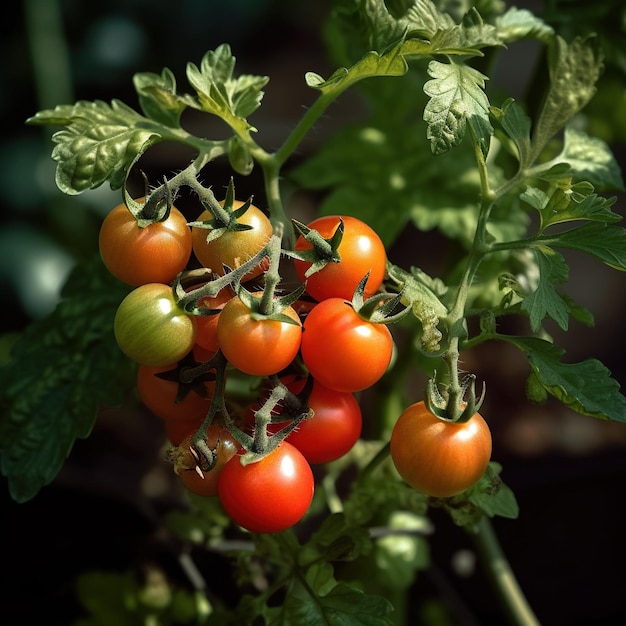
{"x": 492, "y": 496}
{"x": 585, "y": 387}
{"x": 456, "y": 98}
{"x": 591, "y": 159}
{"x": 574, "y": 71}
{"x": 606, "y": 242}
{"x": 545, "y": 300}
{"x": 516, "y": 124}
{"x": 232, "y": 99}
{"x": 342, "y": 606}
{"x": 566, "y": 205}
{"x": 158, "y": 99}
{"x": 99, "y": 143}
{"x": 61, "y": 371}
{"x": 518, "y": 24}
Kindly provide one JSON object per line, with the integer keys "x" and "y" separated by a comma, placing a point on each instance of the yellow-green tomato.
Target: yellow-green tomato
{"x": 151, "y": 328}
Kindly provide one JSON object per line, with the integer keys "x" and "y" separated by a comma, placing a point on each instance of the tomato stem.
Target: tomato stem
{"x": 501, "y": 575}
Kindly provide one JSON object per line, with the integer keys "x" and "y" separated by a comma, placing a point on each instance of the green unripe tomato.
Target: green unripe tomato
{"x": 151, "y": 328}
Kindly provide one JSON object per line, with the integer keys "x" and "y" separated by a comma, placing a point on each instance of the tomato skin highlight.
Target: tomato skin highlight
{"x": 154, "y": 254}
{"x": 361, "y": 251}
{"x": 342, "y": 350}
{"x": 225, "y": 446}
{"x": 151, "y": 328}
{"x": 270, "y": 495}
{"x": 160, "y": 395}
{"x": 440, "y": 458}
{"x": 236, "y": 247}
{"x": 257, "y": 347}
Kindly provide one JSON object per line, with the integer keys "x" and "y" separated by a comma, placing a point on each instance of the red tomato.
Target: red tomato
{"x": 205, "y": 483}
{"x": 361, "y": 251}
{"x": 236, "y": 247}
{"x": 171, "y": 399}
{"x": 437, "y": 457}
{"x": 334, "y": 428}
{"x": 154, "y": 254}
{"x": 257, "y": 347}
{"x": 270, "y": 495}
{"x": 343, "y": 351}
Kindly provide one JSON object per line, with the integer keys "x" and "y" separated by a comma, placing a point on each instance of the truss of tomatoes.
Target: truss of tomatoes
{"x": 343, "y": 351}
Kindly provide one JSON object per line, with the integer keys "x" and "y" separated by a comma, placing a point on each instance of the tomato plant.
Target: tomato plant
{"x": 136, "y": 254}
{"x": 439, "y": 457}
{"x": 151, "y": 328}
{"x": 397, "y": 262}
{"x": 269, "y": 495}
{"x": 341, "y": 349}
{"x": 361, "y": 251}
{"x": 232, "y": 248}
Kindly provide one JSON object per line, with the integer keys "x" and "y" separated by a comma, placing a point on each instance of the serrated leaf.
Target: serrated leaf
{"x": 518, "y": 24}
{"x": 567, "y": 206}
{"x": 157, "y": 97}
{"x": 343, "y": 605}
{"x": 545, "y": 300}
{"x": 574, "y": 71}
{"x": 456, "y": 99}
{"x": 232, "y": 99}
{"x": 585, "y": 387}
{"x": 606, "y": 242}
{"x": 591, "y": 159}
{"x": 99, "y": 143}
{"x": 62, "y": 370}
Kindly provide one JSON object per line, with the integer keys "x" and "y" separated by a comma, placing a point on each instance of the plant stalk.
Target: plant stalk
{"x": 501, "y": 575}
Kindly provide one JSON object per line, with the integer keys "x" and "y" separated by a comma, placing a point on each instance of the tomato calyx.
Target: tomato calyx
{"x": 324, "y": 250}
{"x": 381, "y": 308}
{"x": 459, "y": 406}
{"x": 151, "y": 207}
{"x": 225, "y": 216}
{"x": 185, "y": 385}
{"x": 294, "y": 409}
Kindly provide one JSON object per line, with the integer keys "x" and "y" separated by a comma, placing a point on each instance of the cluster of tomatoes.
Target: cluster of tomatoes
{"x": 320, "y": 349}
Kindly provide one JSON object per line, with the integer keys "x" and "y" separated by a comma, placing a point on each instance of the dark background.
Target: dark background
{"x": 567, "y": 471}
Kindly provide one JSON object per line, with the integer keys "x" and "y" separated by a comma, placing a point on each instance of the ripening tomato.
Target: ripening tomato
{"x": 207, "y": 324}
{"x": 204, "y": 483}
{"x": 342, "y": 350}
{"x": 269, "y": 495}
{"x": 156, "y": 253}
{"x": 161, "y": 390}
{"x": 233, "y": 248}
{"x": 151, "y": 328}
{"x": 437, "y": 457}
{"x": 259, "y": 347}
{"x": 361, "y": 251}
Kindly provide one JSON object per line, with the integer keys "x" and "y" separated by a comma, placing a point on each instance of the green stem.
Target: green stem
{"x": 456, "y": 316}
{"x": 502, "y": 576}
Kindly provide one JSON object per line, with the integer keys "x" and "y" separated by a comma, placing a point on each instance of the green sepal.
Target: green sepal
{"x": 324, "y": 251}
